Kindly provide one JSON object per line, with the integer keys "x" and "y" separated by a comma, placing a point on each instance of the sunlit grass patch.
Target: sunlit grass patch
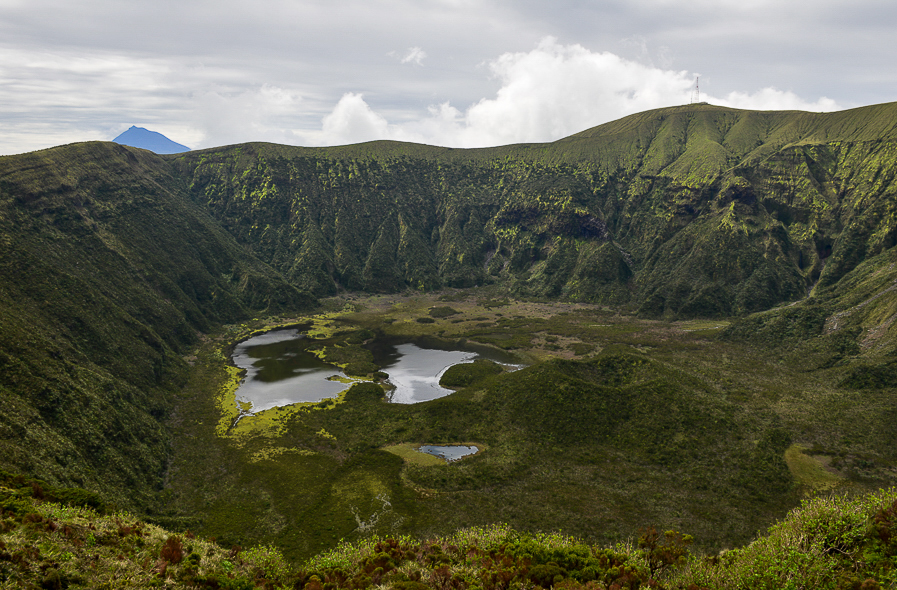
{"x": 410, "y": 453}
{"x": 226, "y": 400}
{"x": 346, "y": 380}
{"x": 702, "y": 325}
{"x": 809, "y": 472}
{"x": 270, "y": 423}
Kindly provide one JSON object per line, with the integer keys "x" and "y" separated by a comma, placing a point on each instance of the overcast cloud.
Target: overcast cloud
{"x": 460, "y": 73}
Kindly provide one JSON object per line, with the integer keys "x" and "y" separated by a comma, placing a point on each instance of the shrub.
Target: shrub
{"x": 360, "y": 368}
{"x": 663, "y": 551}
{"x": 364, "y": 391}
{"x": 442, "y": 312}
{"x": 546, "y": 575}
{"x": 172, "y": 550}
{"x": 581, "y": 348}
{"x": 871, "y": 377}
{"x": 360, "y": 337}
{"x": 77, "y": 497}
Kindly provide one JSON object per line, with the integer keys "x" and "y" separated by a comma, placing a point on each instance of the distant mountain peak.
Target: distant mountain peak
{"x": 149, "y": 140}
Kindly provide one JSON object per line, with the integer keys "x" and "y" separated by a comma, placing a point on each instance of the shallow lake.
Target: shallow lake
{"x": 415, "y": 372}
{"x": 280, "y": 372}
{"x": 415, "y": 368}
{"x": 449, "y": 453}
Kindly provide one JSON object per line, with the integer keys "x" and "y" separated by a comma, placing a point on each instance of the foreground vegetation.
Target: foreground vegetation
{"x": 825, "y": 543}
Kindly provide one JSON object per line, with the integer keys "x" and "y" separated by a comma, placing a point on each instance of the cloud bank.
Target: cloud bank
{"x": 545, "y": 94}
{"x": 448, "y": 72}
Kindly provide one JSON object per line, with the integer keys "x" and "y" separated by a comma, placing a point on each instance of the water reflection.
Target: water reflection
{"x": 449, "y": 453}
{"x": 415, "y": 368}
{"x": 416, "y": 371}
{"x": 280, "y": 372}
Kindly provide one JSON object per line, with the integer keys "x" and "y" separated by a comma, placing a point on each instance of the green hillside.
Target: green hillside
{"x": 705, "y": 299}
{"x": 108, "y": 276}
{"x": 681, "y": 212}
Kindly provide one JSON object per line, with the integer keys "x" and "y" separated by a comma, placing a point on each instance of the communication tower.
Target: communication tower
{"x": 696, "y": 94}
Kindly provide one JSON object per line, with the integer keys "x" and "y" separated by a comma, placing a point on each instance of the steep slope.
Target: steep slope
{"x": 687, "y": 211}
{"x": 847, "y": 328}
{"x": 106, "y": 276}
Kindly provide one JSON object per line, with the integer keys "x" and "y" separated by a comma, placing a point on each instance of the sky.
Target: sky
{"x": 457, "y": 73}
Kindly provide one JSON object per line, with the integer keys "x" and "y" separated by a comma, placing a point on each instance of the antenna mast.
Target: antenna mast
{"x": 696, "y": 95}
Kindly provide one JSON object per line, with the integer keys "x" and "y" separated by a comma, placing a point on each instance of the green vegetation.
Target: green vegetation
{"x": 109, "y": 276}
{"x": 466, "y": 374}
{"x": 410, "y": 453}
{"x": 705, "y": 299}
{"x": 442, "y": 312}
{"x": 826, "y": 543}
{"x": 711, "y": 421}
{"x": 679, "y": 212}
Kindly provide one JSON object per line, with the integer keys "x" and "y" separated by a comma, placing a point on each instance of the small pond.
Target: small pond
{"x": 280, "y": 372}
{"x": 448, "y": 452}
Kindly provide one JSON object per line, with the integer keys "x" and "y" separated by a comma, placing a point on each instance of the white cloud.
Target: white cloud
{"x": 208, "y": 78}
{"x": 353, "y": 121}
{"x": 555, "y": 90}
{"x": 771, "y": 99}
{"x": 414, "y": 55}
{"x": 261, "y": 114}
{"x": 547, "y": 93}
{"x": 48, "y": 98}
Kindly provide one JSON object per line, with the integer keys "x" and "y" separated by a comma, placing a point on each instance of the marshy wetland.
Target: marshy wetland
{"x": 615, "y": 423}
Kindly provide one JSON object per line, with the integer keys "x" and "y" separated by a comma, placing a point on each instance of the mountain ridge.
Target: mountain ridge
{"x": 646, "y": 177}
{"x": 99, "y": 302}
